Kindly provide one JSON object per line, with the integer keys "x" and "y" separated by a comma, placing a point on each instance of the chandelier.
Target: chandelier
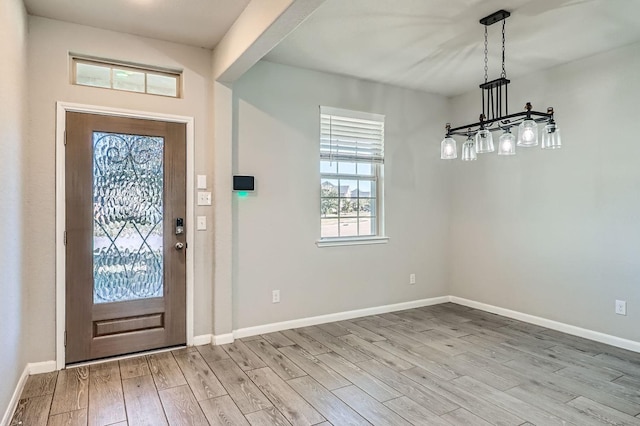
{"x": 495, "y": 116}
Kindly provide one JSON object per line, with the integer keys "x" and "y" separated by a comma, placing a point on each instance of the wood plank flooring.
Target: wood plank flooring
{"x": 438, "y": 365}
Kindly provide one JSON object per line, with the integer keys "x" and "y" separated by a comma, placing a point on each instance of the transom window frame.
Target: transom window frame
{"x": 363, "y": 144}
{"x": 121, "y": 66}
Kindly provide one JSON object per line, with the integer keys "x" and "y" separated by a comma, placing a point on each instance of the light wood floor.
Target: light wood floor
{"x": 437, "y": 365}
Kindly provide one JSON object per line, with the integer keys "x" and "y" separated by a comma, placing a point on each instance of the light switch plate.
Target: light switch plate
{"x": 204, "y": 198}
{"x": 202, "y": 181}
{"x": 201, "y": 223}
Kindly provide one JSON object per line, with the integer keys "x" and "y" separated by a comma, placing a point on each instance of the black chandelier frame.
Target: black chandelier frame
{"x": 495, "y": 95}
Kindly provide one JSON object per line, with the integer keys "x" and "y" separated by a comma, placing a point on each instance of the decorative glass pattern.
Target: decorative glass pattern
{"x": 128, "y": 174}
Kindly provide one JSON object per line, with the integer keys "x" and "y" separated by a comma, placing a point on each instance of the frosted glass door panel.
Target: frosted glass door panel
{"x": 128, "y": 176}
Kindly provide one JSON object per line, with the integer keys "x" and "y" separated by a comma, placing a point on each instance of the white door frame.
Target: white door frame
{"x": 61, "y": 109}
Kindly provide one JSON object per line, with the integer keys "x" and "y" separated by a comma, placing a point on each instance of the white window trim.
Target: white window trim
{"x": 351, "y": 241}
{"x": 361, "y": 115}
{"x": 381, "y": 237}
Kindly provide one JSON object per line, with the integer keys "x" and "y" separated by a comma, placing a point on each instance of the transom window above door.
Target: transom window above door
{"x": 126, "y": 77}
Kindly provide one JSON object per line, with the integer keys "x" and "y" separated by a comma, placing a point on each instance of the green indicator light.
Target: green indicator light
{"x": 243, "y": 194}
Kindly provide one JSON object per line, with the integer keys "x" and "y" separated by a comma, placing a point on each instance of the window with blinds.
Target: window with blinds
{"x": 351, "y": 162}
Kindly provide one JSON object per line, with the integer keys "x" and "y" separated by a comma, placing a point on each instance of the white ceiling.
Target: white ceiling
{"x": 437, "y": 45}
{"x": 200, "y": 23}
{"x": 431, "y": 45}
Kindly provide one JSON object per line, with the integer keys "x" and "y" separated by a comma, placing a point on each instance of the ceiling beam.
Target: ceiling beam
{"x": 261, "y": 26}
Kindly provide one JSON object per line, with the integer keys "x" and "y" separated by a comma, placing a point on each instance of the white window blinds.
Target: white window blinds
{"x": 351, "y": 136}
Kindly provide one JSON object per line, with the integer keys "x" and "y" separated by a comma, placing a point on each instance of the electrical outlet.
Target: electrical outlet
{"x": 412, "y": 278}
{"x": 204, "y": 198}
{"x": 275, "y": 296}
{"x": 621, "y": 307}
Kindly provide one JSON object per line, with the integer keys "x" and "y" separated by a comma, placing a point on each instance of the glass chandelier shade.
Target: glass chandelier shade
{"x": 507, "y": 143}
{"x": 551, "y": 136}
{"x": 528, "y": 133}
{"x": 448, "y": 149}
{"x": 484, "y": 141}
{"x": 469, "y": 150}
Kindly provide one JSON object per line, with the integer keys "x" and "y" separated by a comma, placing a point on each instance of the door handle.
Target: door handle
{"x": 179, "y": 246}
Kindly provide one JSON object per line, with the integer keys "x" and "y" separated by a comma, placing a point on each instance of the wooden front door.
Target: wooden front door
{"x": 125, "y": 183}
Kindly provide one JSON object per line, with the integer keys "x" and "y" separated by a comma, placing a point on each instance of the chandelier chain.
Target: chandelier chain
{"x": 486, "y": 53}
{"x": 504, "y": 71}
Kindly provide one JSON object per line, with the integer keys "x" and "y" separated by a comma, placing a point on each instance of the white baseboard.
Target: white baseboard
{"x": 203, "y": 339}
{"x": 41, "y": 367}
{"x": 222, "y": 339}
{"x": 554, "y": 325}
{"x": 15, "y": 397}
{"x": 29, "y": 369}
{"x": 339, "y": 316}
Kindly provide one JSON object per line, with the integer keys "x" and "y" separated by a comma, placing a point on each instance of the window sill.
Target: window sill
{"x": 351, "y": 241}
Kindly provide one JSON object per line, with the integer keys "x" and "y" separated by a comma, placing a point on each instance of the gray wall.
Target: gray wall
{"x": 50, "y": 42}
{"x": 547, "y": 233}
{"x": 276, "y": 135}
{"x": 13, "y": 138}
{"x": 556, "y": 233}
